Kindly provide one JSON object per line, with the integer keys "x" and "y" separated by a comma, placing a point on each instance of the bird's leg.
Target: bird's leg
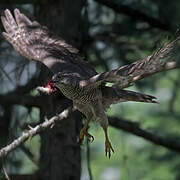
{"x": 84, "y": 132}
{"x": 108, "y": 146}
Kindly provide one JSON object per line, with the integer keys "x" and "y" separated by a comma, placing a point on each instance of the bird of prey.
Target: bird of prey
{"x": 75, "y": 78}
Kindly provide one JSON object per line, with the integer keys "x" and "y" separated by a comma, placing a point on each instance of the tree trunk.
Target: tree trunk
{"x": 60, "y": 151}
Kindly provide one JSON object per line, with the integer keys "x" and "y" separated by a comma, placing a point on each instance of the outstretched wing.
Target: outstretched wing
{"x": 126, "y": 75}
{"x": 35, "y": 42}
{"x": 31, "y": 39}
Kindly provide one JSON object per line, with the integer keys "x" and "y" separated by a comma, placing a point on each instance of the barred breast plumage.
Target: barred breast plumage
{"x": 80, "y": 95}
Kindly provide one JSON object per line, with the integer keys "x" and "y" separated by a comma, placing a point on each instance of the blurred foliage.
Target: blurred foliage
{"x": 113, "y": 40}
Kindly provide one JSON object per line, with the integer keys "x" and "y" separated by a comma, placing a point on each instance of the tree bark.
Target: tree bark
{"x": 60, "y": 151}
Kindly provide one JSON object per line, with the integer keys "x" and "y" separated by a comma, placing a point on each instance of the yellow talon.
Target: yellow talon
{"x": 108, "y": 148}
{"x": 83, "y": 133}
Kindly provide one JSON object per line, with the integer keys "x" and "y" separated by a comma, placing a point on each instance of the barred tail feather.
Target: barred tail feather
{"x": 116, "y": 95}
{"x": 135, "y": 96}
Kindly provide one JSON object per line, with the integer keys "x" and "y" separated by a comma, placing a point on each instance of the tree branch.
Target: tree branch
{"x": 27, "y": 100}
{"x": 134, "y": 14}
{"x": 118, "y": 123}
{"x": 134, "y": 128}
{"x": 33, "y": 131}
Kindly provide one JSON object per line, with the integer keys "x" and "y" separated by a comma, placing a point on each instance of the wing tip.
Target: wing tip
{"x": 7, "y": 12}
{"x": 154, "y": 101}
{"x": 16, "y": 11}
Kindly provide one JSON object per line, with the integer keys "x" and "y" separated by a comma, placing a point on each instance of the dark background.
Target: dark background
{"x": 109, "y": 33}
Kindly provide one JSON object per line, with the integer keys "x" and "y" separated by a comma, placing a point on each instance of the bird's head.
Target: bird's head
{"x": 63, "y": 79}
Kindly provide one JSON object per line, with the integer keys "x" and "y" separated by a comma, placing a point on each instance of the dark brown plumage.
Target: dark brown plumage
{"x": 76, "y": 79}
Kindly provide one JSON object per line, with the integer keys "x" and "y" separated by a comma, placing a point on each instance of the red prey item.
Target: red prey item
{"x": 48, "y": 88}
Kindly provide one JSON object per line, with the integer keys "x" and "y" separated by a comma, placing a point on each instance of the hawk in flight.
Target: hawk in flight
{"x": 75, "y": 78}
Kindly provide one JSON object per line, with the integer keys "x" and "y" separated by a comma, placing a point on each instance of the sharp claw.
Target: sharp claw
{"x": 85, "y": 133}
{"x": 90, "y": 137}
{"x": 108, "y": 149}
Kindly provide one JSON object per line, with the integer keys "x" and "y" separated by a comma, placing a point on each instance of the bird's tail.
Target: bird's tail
{"x": 113, "y": 95}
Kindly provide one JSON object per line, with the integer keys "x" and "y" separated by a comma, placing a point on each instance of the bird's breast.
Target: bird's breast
{"x": 80, "y": 95}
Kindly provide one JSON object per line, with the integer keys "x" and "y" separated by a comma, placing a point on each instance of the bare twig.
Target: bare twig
{"x": 4, "y": 170}
{"x": 33, "y": 131}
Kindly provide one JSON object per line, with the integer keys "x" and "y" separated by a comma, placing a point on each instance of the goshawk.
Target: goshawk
{"x": 75, "y": 78}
